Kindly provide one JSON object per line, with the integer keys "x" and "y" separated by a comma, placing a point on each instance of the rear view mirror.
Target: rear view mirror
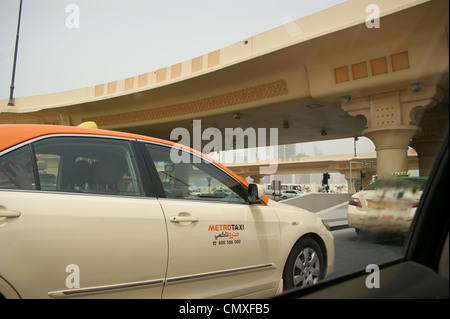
{"x": 255, "y": 192}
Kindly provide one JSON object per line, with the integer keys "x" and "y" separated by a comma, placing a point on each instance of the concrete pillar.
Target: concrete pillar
{"x": 356, "y": 173}
{"x": 350, "y": 181}
{"x": 368, "y": 178}
{"x": 428, "y": 142}
{"x": 391, "y": 146}
{"x": 392, "y": 122}
{"x": 426, "y": 153}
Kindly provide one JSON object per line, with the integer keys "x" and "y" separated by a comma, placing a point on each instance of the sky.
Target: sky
{"x": 116, "y": 39}
{"x": 71, "y": 44}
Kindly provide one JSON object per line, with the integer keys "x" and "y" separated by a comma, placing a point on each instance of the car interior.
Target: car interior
{"x": 86, "y": 166}
{"x": 180, "y": 179}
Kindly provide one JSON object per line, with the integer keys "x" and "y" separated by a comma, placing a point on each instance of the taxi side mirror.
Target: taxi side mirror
{"x": 255, "y": 192}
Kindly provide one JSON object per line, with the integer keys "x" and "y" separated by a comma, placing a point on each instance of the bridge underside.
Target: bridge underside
{"x": 351, "y": 82}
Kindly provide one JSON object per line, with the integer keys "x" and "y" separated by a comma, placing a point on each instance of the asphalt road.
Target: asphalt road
{"x": 354, "y": 253}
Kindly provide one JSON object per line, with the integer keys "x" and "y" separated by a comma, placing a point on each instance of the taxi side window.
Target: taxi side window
{"x": 87, "y": 165}
{"x": 16, "y": 169}
{"x": 194, "y": 178}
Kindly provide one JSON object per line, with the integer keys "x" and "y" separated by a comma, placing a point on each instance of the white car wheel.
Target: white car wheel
{"x": 305, "y": 265}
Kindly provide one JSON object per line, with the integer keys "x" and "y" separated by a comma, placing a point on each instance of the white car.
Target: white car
{"x": 290, "y": 193}
{"x": 387, "y": 205}
{"x": 101, "y": 214}
{"x": 222, "y": 192}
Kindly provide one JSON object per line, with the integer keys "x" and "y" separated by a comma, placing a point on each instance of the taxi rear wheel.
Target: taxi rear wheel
{"x": 305, "y": 265}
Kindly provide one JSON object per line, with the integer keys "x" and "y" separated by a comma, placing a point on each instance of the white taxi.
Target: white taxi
{"x": 89, "y": 213}
{"x": 387, "y": 205}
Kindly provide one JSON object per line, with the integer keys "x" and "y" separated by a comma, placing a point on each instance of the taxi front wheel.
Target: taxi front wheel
{"x": 305, "y": 265}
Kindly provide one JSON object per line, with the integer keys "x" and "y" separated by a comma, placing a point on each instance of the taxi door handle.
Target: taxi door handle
{"x": 183, "y": 219}
{"x": 9, "y": 214}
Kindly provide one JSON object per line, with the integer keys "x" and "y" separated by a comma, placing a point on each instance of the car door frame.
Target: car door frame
{"x": 232, "y": 280}
{"x": 130, "y": 288}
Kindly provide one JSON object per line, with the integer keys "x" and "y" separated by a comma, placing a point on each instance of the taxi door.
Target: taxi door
{"x": 220, "y": 246}
{"x": 65, "y": 237}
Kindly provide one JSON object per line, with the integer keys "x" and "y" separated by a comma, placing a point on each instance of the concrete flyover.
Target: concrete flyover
{"x": 322, "y": 77}
{"x": 346, "y": 164}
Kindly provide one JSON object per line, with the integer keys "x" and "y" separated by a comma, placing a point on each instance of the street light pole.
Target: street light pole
{"x": 11, "y": 91}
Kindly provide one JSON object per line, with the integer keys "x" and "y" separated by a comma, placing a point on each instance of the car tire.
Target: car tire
{"x": 305, "y": 265}
{"x": 284, "y": 197}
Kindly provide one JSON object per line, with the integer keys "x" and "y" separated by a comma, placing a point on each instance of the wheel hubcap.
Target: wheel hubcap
{"x": 306, "y": 268}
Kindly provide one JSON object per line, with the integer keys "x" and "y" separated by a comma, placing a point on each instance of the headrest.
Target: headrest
{"x": 80, "y": 173}
{"x": 109, "y": 169}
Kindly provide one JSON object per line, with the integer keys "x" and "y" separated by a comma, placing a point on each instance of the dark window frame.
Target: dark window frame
{"x": 146, "y": 182}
